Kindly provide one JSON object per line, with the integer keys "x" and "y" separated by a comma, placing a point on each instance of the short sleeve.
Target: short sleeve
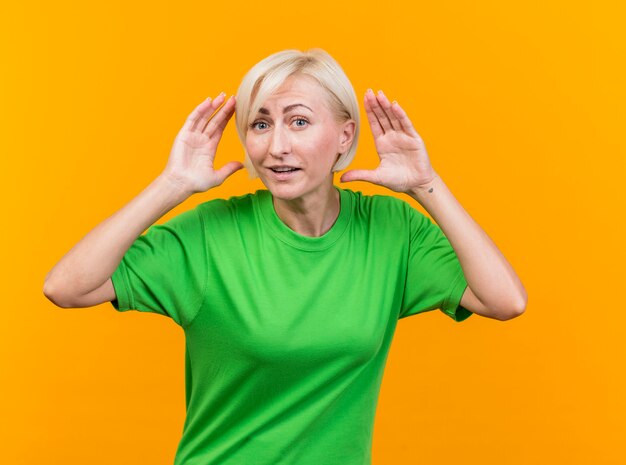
{"x": 165, "y": 270}
{"x": 435, "y": 279}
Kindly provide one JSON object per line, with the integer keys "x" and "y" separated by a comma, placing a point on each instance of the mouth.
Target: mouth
{"x": 284, "y": 173}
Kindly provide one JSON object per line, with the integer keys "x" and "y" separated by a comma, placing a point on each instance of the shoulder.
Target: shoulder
{"x": 381, "y": 207}
{"x": 234, "y": 205}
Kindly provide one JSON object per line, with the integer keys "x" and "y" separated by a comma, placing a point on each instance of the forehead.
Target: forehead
{"x": 298, "y": 88}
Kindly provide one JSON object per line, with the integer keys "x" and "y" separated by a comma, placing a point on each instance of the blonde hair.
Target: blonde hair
{"x": 269, "y": 74}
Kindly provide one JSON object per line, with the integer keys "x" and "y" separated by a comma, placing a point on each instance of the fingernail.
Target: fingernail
{"x": 395, "y": 101}
{"x": 380, "y": 92}
{"x": 370, "y": 91}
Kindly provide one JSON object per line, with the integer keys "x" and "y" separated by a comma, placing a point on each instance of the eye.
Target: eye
{"x": 300, "y": 120}
{"x": 256, "y": 123}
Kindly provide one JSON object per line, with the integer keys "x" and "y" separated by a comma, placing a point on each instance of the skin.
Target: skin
{"x": 308, "y": 203}
{"x": 308, "y": 138}
{"x": 494, "y": 290}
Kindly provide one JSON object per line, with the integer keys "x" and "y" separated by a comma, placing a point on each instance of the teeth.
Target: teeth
{"x": 283, "y": 170}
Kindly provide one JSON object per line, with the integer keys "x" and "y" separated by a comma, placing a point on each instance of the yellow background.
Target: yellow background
{"x": 521, "y": 106}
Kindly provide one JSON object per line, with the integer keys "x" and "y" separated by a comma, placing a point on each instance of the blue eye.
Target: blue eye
{"x": 254, "y": 125}
{"x": 299, "y": 123}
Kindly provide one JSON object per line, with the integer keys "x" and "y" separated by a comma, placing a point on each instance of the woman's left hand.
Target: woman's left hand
{"x": 404, "y": 163}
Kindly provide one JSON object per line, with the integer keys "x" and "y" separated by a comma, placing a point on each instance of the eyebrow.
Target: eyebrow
{"x": 287, "y": 109}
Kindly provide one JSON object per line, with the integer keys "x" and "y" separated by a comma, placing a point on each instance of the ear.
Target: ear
{"x": 346, "y": 135}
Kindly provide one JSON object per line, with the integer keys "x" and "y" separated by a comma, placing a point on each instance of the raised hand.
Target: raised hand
{"x": 404, "y": 163}
{"x": 191, "y": 161}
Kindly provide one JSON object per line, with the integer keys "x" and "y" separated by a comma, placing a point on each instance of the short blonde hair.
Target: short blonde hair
{"x": 269, "y": 74}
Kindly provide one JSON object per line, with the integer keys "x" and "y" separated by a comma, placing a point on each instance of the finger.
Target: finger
{"x": 380, "y": 113}
{"x": 377, "y": 129}
{"x": 196, "y": 113}
{"x": 215, "y": 126}
{"x": 386, "y": 106}
{"x": 201, "y": 121}
{"x": 228, "y": 169}
{"x": 218, "y": 121}
{"x": 407, "y": 126}
{"x": 207, "y": 106}
{"x": 221, "y": 126}
{"x": 360, "y": 175}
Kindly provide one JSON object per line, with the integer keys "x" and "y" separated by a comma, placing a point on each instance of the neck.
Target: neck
{"x": 312, "y": 216}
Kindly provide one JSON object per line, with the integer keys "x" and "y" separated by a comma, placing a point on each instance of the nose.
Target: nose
{"x": 279, "y": 144}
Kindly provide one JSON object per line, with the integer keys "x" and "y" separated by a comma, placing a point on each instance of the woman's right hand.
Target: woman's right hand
{"x": 191, "y": 161}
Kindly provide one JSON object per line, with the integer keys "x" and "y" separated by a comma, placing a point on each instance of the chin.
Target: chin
{"x": 285, "y": 192}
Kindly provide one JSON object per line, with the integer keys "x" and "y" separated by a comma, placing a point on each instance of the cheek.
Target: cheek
{"x": 253, "y": 147}
{"x": 327, "y": 145}
{"x": 322, "y": 140}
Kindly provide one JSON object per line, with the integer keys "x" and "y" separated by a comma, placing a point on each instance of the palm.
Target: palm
{"x": 404, "y": 163}
{"x": 399, "y": 160}
{"x": 194, "y": 154}
{"x": 192, "y": 158}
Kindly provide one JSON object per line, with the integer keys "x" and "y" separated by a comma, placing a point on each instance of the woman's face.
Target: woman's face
{"x": 295, "y": 129}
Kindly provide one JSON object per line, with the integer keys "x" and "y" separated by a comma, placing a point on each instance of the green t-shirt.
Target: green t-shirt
{"x": 287, "y": 335}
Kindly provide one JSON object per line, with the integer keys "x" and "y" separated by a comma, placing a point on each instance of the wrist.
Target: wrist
{"x": 425, "y": 188}
{"x": 173, "y": 188}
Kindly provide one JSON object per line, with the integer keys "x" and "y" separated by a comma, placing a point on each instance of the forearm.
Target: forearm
{"x": 96, "y": 256}
{"x": 488, "y": 273}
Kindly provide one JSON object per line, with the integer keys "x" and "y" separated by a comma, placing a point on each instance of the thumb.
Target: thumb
{"x": 228, "y": 169}
{"x": 359, "y": 175}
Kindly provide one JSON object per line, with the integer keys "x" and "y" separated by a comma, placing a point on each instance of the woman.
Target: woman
{"x": 289, "y": 297}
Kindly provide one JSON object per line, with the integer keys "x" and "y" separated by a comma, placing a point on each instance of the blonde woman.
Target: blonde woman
{"x": 289, "y": 296}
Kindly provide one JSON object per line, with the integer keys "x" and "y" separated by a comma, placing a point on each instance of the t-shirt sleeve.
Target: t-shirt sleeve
{"x": 435, "y": 279}
{"x": 165, "y": 270}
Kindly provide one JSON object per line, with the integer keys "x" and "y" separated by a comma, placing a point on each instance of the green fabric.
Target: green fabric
{"x": 287, "y": 335}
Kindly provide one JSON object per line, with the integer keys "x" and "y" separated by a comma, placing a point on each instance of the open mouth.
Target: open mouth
{"x": 284, "y": 170}
{"x": 284, "y": 174}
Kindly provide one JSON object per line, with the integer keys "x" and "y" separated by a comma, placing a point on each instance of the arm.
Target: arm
{"x": 82, "y": 277}
{"x": 494, "y": 290}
